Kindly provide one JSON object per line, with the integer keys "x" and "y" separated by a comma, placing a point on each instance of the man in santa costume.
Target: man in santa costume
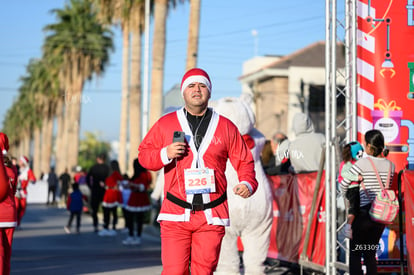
{"x": 25, "y": 177}
{"x": 8, "y": 221}
{"x": 195, "y": 210}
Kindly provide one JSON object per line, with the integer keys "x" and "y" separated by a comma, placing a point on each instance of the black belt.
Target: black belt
{"x": 196, "y": 207}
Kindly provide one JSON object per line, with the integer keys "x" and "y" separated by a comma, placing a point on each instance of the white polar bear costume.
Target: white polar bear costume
{"x": 251, "y": 218}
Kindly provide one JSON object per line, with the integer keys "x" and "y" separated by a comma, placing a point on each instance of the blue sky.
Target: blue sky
{"x": 226, "y": 41}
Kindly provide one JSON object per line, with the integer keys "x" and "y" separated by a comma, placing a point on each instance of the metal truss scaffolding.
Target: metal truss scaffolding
{"x": 340, "y": 34}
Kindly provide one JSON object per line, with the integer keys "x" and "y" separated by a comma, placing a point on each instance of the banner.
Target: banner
{"x": 292, "y": 200}
{"x": 407, "y": 179}
{"x": 385, "y": 75}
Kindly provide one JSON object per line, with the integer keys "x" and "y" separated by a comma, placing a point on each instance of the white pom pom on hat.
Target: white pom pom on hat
{"x": 195, "y": 75}
{"x": 5, "y": 141}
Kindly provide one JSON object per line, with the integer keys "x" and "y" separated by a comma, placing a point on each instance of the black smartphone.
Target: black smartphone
{"x": 179, "y": 136}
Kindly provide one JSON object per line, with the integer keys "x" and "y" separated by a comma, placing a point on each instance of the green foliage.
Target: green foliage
{"x": 90, "y": 147}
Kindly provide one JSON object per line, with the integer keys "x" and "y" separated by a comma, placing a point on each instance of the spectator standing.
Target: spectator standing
{"x": 52, "y": 183}
{"x": 8, "y": 219}
{"x": 350, "y": 154}
{"x": 80, "y": 178}
{"x": 138, "y": 203}
{"x": 306, "y": 149}
{"x": 125, "y": 192}
{"x": 75, "y": 206}
{"x": 15, "y": 163}
{"x": 280, "y": 163}
{"x": 96, "y": 180}
{"x": 64, "y": 179}
{"x": 111, "y": 200}
{"x": 267, "y": 154}
{"x": 366, "y": 233}
{"x": 193, "y": 219}
{"x": 25, "y": 177}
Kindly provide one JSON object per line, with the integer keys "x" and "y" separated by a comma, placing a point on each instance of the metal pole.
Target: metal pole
{"x": 327, "y": 129}
{"x": 332, "y": 176}
{"x": 354, "y": 89}
{"x": 146, "y": 71}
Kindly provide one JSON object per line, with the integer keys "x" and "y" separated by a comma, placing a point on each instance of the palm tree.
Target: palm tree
{"x": 32, "y": 102}
{"x": 118, "y": 12}
{"x": 158, "y": 58}
{"x": 83, "y": 44}
{"x": 193, "y": 34}
{"x": 137, "y": 27}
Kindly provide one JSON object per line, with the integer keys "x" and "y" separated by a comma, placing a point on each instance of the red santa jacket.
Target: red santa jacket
{"x": 8, "y": 212}
{"x": 222, "y": 141}
{"x": 112, "y": 197}
{"x": 139, "y": 199}
{"x": 26, "y": 176}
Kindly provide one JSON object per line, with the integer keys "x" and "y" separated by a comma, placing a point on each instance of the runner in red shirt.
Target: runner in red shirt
{"x": 25, "y": 177}
{"x": 8, "y": 220}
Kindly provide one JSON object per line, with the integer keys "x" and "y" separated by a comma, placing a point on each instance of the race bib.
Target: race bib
{"x": 199, "y": 181}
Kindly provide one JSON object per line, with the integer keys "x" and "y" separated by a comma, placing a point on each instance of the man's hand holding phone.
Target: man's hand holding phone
{"x": 178, "y": 147}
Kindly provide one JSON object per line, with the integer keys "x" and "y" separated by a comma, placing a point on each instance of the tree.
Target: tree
{"x": 118, "y": 12}
{"x": 90, "y": 147}
{"x": 193, "y": 34}
{"x": 135, "y": 103}
{"x": 83, "y": 44}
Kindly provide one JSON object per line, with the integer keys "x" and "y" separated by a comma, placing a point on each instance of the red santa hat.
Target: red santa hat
{"x": 195, "y": 75}
{"x": 4, "y": 143}
{"x": 24, "y": 159}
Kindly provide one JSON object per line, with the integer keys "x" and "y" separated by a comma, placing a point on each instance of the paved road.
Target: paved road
{"x": 42, "y": 247}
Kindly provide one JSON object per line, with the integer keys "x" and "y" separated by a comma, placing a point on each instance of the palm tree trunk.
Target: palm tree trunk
{"x": 36, "y": 152}
{"x": 123, "y": 126}
{"x": 193, "y": 33}
{"x": 47, "y": 146}
{"x": 74, "y": 129}
{"x": 135, "y": 98}
{"x": 66, "y": 126}
{"x": 60, "y": 149}
{"x": 158, "y": 59}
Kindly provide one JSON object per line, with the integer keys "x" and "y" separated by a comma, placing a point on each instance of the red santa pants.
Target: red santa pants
{"x": 195, "y": 239}
{"x": 21, "y": 209}
{"x": 6, "y": 235}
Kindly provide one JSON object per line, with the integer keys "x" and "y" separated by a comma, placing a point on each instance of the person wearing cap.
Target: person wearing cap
{"x": 195, "y": 209}
{"x": 25, "y": 177}
{"x": 8, "y": 220}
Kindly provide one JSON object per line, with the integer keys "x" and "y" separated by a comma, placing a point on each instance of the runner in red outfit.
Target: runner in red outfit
{"x": 25, "y": 177}
{"x": 8, "y": 221}
{"x": 195, "y": 211}
{"x": 112, "y": 198}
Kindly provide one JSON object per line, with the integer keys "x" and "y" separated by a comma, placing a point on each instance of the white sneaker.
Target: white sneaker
{"x": 124, "y": 230}
{"x": 112, "y": 232}
{"x": 347, "y": 230}
{"x": 128, "y": 241}
{"x": 67, "y": 229}
{"x": 103, "y": 233}
{"x": 137, "y": 241}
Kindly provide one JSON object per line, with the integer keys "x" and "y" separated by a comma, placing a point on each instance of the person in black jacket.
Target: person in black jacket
{"x": 96, "y": 181}
{"x": 52, "y": 182}
{"x": 64, "y": 187}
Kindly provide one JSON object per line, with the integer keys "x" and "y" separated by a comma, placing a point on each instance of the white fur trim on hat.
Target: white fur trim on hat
{"x": 195, "y": 78}
{"x": 24, "y": 159}
{"x": 4, "y": 152}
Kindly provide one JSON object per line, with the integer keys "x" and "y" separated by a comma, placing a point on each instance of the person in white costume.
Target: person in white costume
{"x": 251, "y": 218}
